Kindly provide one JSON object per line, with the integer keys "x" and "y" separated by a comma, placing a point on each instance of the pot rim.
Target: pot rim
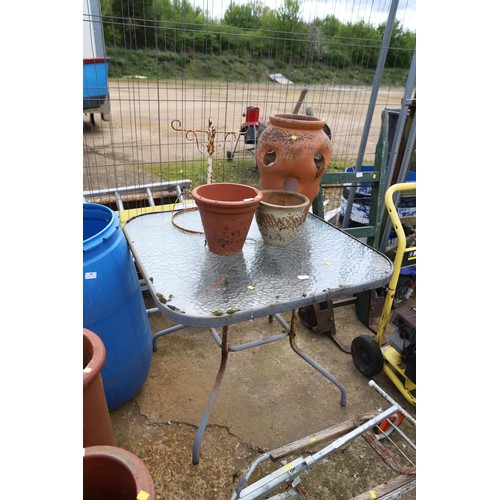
{"x": 289, "y": 120}
{"x": 94, "y": 366}
{"x": 305, "y": 200}
{"x": 198, "y": 198}
{"x": 139, "y": 472}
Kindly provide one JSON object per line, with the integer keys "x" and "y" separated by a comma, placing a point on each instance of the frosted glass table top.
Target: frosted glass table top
{"x": 195, "y": 287}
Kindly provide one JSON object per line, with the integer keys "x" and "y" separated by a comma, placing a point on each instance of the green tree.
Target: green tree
{"x": 179, "y": 32}
{"x": 402, "y": 45}
{"x": 180, "y": 11}
{"x": 330, "y": 25}
{"x": 292, "y": 31}
{"x": 247, "y": 16}
{"x": 136, "y": 18}
{"x": 288, "y": 16}
{"x": 363, "y": 42}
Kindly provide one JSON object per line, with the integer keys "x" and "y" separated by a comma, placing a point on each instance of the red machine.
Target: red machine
{"x": 249, "y": 130}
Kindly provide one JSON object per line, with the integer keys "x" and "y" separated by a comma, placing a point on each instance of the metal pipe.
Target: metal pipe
{"x": 149, "y": 194}
{"x": 341, "y": 441}
{"x": 119, "y": 201}
{"x": 212, "y": 398}
{"x": 400, "y": 126}
{"x": 371, "y": 107}
{"x": 178, "y": 191}
{"x": 247, "y": 345}
{"x": 388, "y": 398}
{"x": 248, "y": 473}
{"x": 281, "y": 321}
{"x": 305, "y": 357}
{"x": 404, "y": 436}
{"x": 172, "y": 329}
{"x": 291, "y": 335}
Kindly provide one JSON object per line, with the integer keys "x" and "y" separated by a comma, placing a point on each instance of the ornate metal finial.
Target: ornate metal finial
{"x": 192, "y": 135}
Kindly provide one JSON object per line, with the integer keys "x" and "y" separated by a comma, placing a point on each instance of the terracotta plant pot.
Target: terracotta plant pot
{"x": 226, "y": 211}
{"x": 293, "y": 154}
{"x": 111, "y": 473}
{"x": 280, "y": 215}
{"x": 97, "y": 428}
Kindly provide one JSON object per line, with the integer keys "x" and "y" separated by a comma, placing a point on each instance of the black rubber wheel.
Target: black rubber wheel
{"x": 367, "y": 355}
{"x": 404, "y": 284}
{"x": 229, "y": 155}
{"x": 308, "y": 317}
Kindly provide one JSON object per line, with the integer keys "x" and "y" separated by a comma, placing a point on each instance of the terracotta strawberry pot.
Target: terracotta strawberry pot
{"x": 97, "y": 428}
{"x": 111, "y": 473}
{"x": 226, "y": 212}
{"x": 279, "y": 216}
{"x": 293, "y": 153}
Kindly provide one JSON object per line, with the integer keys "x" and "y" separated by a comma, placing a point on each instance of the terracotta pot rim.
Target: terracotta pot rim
{"x": 94, "y": 366}
{"x": 289, "y": 120}
{"x": 212, "y": 202}
{"x": 304, "y": 200}
{"x": 133, "y": 463}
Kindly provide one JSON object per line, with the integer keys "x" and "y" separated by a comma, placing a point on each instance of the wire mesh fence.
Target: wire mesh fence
{"x": 183, "y": 80}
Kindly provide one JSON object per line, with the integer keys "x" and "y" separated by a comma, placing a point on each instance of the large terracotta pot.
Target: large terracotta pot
{"x": 293, "y": 154}
{"x": 280, "y": 215}
{"x": 111, "y": 473}
{"x": 226, "y": 211}
{"x": 97, "y": 428}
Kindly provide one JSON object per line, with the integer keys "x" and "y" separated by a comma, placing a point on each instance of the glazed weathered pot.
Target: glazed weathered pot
{"x": 97, "y": 428}
{"x": 280, "y": 215}
{"x": 226, "y": 211}
{"x": 113, "y": 473}
{"x": 293, "y": 154}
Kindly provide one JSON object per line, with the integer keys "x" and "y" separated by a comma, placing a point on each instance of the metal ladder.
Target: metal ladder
{"x": 288, "y": 476}
{"x": 139, "y": 192}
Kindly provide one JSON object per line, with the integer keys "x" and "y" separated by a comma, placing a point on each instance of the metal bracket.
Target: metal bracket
{"x": 322, "y": 316}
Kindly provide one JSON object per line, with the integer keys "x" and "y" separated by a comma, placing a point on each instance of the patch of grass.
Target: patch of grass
{"x": 339, "y": 164}
{"x": 241, "y": 171}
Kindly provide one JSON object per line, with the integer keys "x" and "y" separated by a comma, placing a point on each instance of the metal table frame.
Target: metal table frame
{"x": 212, "y": 292}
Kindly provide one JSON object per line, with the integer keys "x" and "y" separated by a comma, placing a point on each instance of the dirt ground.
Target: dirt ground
{"x": 139, "y": 133}
{"x": 269, "y": 396}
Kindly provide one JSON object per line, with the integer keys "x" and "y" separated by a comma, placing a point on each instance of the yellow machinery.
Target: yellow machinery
{"x": 397, "y": 358}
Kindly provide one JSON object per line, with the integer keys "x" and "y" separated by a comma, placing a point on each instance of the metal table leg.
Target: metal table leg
{"x": 226, "y": 348}
{"x": 291, "y": 335}
{"x": 172, "y": 329}
{"x": 212, "y": 398}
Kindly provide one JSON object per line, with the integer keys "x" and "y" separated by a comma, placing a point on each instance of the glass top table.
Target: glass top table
{"x": 196, "y": 288}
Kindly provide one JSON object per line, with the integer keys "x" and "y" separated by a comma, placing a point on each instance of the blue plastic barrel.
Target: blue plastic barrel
{"x": 113, "y": 306}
